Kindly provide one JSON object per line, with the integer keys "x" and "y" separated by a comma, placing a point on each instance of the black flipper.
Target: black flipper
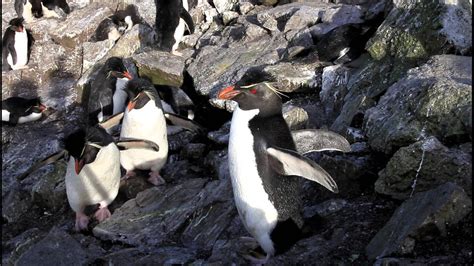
{"x": 188, "y": 20}
{"x": 112, "y": 121}
{"x": 48, "y": 160}
{"x": 308, "y": 140}
{"x": 181, "y": 121}
{"x": 288, "y": 162}
{"x": 126, "y": 144}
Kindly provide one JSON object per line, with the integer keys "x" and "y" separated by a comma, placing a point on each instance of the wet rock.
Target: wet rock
{"x": 133, "y": 41}
{"x": 423, "y": 166}
{"x": 46, "y": 251}
{"x": 161, "y": 67}
{"x": 50, "y": 190}
{"x": 220, "y": 136}
{"x": 424, "y": 103}
{"x": 229, "y": 16}
{"x": 153, "y": 216}
{"x": 295, "y": 117}
{"x": 80, "y": 25}
{"x": 420, "y": 218}
{"x": 94, "y": 51}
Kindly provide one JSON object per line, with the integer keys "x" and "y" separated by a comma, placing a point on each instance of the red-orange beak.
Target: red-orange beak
{"x": 131, "y": 105}
{"x": 79, "y": 165}
{"x": 228, "y": 93}
{"x": 42, "y": 107}
{"x": 127, "y": 75}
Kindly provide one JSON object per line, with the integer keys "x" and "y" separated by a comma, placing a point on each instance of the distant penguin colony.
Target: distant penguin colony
{"x": 172, "y": 18}
{"x": 16, "y": 44}
{"x": 17, "y": 110}
{"x": 265, "y": 167}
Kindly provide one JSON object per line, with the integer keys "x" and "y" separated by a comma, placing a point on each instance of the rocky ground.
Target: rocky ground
{"x": 402, "y": 98}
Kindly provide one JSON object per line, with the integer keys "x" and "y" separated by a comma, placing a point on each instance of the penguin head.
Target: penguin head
{"x": 262, "y": 96}
{"x": 114, "y": 67}
{"x": 16, "y": 24}
{"x": 36, "y": 106}
{"x": 140, "y": 91}
{"x": 84, "y": 145}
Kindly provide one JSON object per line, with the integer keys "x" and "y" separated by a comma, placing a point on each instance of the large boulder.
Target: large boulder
{"x": 434, "y": 99}
{"x": 161, "y": 67}
{"x": 422, "y": 217}
{"x": 422, "y": 166}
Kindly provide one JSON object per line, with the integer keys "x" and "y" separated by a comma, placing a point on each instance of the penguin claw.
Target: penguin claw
{"x": 82, "y": 221}
{"x": 102, "y": 213}
{"x": 256, "y": 261}
{"x": 156, "y": 179}
{"x": 127, "y": 175}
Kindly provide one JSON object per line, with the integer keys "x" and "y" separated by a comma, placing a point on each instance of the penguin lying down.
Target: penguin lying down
{"x": 18, "y": 110}
{"x": 265, "y": 166}
{"x": 93, "y": 170}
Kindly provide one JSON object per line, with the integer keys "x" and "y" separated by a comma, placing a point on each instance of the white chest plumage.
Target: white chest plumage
{"x": 255, "y": 209}
{"x": 21, "y": 48}
{"x": 120, "y": 96}
{"x": 146, "y": 123}
{"x": 97, "y": 182}
{"x": 179, "y": 32}
{"x": 5, "y": 115}
{"x": 29, "y": 118}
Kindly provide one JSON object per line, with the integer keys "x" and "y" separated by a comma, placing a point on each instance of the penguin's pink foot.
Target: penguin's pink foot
{"x": 156, "y": 179}
{"x": 82, "y": 221}
{"x": 177, "y": 53}
{"x": 128, "y": 175}
{"x": 257, "y": 261}
{"x": 102, "y": 213}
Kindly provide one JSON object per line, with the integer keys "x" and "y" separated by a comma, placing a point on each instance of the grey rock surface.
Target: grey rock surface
{"x": 161, "y": 67}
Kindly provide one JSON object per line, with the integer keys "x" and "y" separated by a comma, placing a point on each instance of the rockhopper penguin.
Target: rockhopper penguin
{"x": 16, "y": 44}
{"x": 265, "y": 167}
{"x": 17, "y": 110}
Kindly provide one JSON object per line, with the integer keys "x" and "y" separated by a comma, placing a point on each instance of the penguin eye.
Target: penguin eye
{"x": 253, "y": 91}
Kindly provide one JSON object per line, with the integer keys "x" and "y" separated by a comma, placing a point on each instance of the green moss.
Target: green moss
{"x": 159, "y": 78}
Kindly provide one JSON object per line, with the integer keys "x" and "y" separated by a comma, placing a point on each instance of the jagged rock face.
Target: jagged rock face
{"x": 423, "y": 103}
{"x": 409, "y": 123}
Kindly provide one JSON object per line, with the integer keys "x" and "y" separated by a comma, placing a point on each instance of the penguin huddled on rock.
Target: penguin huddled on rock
{"x": 172, "y": 18}
{"x": 28, "y": 9}
{"x": 16, "y": 45}
{"x": 115, "y": 26}
{"x": 18, "y": 110}
{"x": 107, "y": 94}
{"x": 265, "y": 167}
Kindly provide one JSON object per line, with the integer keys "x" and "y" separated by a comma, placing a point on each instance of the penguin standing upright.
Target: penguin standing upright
{"x": 107, "y": 94}
{"x": 144, "y": 119}
{"x": 171, "y": 17}
{"x": 264, "y": 168}
{"x": 17, "y": 110}
{"x": 16, "y": 44}
{"x": 93, "y": 173}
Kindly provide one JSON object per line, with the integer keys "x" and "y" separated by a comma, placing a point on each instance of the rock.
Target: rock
{"x": 220, "y": 136}
{"x": 424, "y": 103}
{"x": 194, "y": 150}
{"x": 161, "y": 67}
{"x": 268, "y": 2}
{"x": 224, "y": 5}
{"x": 334, "y": 89}
{"x": 245, "y": 7}
{"x": 420, "y": 218}
{"x": 159, "y": 212}
{"x": 21, "y": 243}
{"x": 94, "y": 51}
{"x": 46, "y": 251}
{"x": 295, "y": 117}
{"x": 161, "y": 256}
{"x": 325, "y": 208}
{"x": 80, "y": 25}
{"x": 133, "y": 41}
{"x": 294, "y": 77}
{"x": 229, "y": 16}
{"x": 422, "y": 166}
{"x": 16, "y": 203}
{"x": 50, "y": 191}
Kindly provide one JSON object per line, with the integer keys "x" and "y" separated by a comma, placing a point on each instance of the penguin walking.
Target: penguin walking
{"x": 107, "y": 96}
{"x": 265, "y": 167}
{"x": 144, "y": 119}
{"x": 17, "y": 110}
{"x": 16, "y": 45}
{"x": 172, "y": 18}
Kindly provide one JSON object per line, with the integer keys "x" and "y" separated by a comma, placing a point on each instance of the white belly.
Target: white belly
{"x": 21, "y": 48}
{"x": 255, "y": 209}
{"x": 146, "y": 123}
{"x": 120, "y": 96}
{"x": 97, "y": 182}
{"x": 29, "y": 118}
{"x": 5, "y": 115}
{"x": 179, "y": 32}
